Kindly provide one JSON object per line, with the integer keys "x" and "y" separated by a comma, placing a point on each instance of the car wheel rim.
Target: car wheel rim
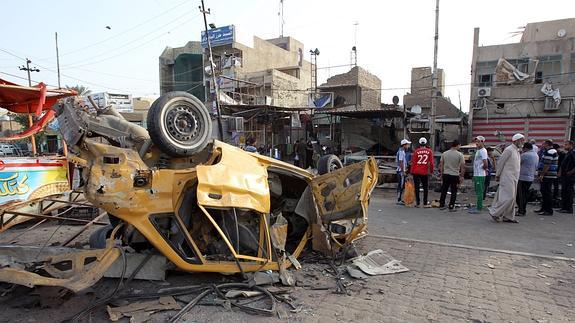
{"x": 182, "y": 123}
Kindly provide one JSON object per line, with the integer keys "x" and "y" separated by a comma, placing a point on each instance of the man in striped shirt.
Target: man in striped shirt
{"x": 548, "y": 167}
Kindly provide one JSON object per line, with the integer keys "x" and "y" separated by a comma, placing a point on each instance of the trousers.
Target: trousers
{"x": 547, "y": 195}
{"x": 448, "y": 182}
{"x": 424, "y": 181}
{"x": 479, "y": 185}
{"x": 567, "y": 193}
{"x": 522, "y": 196}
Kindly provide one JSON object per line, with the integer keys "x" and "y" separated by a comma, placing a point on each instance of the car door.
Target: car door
{"x": 342, "y": 199}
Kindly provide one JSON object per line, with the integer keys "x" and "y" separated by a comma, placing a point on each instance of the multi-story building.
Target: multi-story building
{"x": 182, "y": 69}
{"x": 450, "y": 121}
{"x": 507, "y": 94}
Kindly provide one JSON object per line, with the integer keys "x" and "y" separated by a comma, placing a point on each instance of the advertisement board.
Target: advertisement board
{"x": 219, "y": 36}
{"x": 23, "y": 179}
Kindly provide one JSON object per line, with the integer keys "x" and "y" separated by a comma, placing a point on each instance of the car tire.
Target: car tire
{"x": 179, "y": 124}
{"x": 98, "y": 238}
{"x": 328, "y": 163}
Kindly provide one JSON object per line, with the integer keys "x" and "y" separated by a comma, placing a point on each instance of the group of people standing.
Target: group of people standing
{"x": 520, "y": 164}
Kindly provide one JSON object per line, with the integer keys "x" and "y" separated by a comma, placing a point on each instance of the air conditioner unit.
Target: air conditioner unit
{"x": 236, "y": 124}
{"x": 483, "y": 92}
{"x": 550, "y": 104}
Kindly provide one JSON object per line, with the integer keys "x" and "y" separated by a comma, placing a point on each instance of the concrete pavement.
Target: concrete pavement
{"x": 552, "y": 236}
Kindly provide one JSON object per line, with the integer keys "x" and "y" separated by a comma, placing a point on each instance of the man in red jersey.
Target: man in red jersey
{"x": 421, "y": 168}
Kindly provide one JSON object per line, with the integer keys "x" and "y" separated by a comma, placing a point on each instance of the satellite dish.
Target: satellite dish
{"x": 395, "y": 99}
{"x": 415, "y": 109}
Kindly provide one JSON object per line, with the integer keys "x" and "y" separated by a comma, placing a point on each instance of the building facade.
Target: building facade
{"x": 525, "y": 87}
{"x": 182, "y": 69}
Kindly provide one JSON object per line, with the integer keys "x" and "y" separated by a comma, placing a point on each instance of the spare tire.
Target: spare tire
{"x": 179, "y": 124}
{"x": 328, "y": 163}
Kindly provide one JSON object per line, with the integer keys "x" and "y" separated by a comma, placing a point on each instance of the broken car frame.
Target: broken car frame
{"x": 205, "y": 205}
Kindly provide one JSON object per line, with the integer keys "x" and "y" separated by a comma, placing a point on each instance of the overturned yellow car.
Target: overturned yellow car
{"x": 205, "y": 205}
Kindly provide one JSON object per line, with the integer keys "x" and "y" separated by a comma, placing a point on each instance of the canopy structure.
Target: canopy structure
{"x": 30, "y": 100}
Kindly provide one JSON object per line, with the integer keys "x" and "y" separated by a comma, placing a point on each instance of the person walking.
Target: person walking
{"x": 527, "y": 172}
{"x": 548, "y": 167}
{"x": 567, "y": 176}
{"x": 296, "y": 157}
{"x": 401, "y": 161}
{"x": 451, "y": 169}
{"x": 480, "y": 166}
{"x": 508, "y": 167}
{"x": 301, "y": 152}
{"x": 421, "y": 168}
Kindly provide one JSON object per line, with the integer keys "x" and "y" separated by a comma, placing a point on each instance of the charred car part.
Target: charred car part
{"x": 206, "y": 205}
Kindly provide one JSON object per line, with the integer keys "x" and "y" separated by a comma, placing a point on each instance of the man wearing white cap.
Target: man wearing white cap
{"x": 421, "y": 168}
{"x": 401, "y": 168}
{"x": 508, "y": 167}
{"x": 480, "y": 166}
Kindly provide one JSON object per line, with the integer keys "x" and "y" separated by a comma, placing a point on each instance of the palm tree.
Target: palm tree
{"x": 80, "y": 89}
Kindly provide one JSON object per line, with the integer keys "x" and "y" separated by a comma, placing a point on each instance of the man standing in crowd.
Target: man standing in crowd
{"x": 451, "y": 168}
{"x": 490, "y": 171}
{"x": 535, "y": 148}
{"x": 567, "y": 175}
{"x": 421, "y": 168}
{"x": 529, "y": 161}
{"x": 401, "y": 168}
{"x": 561, "y": 156}
{"x": 251, "y": 145}
{"x": 548, "y": 167}
{"x": 508, "y": 167}
{"x": 480, "y": 165}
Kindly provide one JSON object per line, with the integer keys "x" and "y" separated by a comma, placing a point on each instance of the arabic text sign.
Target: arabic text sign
{"x": 29, "y": 178}
{"x": 219, "y": 36}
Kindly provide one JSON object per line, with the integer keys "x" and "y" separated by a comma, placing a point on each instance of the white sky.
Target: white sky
{"x": 392, "y": 36}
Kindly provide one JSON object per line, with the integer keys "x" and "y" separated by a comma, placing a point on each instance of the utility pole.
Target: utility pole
{"x": 281, "y": 16}
{"x": 434, "y": 80}
{"x": 30, "y": 121}
{"x": 214, "y": 80}
{"x": 57, "y": 60}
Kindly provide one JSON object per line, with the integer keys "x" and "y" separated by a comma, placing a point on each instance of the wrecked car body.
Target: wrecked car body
{"x": 205, "y": 205}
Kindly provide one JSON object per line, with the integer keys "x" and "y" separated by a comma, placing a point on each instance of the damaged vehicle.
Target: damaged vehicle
{"x": 205, "y": 205}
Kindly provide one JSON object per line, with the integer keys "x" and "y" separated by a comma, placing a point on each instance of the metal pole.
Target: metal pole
{"x": 214, "y": 81}
{"x": 30, "y": 121}
{"x": 434, "y": 79}
{"x": 57, "y": 60}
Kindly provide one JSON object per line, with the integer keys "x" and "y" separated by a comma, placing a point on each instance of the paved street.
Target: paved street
{"x": 553, "y": 236}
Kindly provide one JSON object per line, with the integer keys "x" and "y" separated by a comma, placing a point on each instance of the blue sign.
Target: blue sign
{"x": 219, "y": 36}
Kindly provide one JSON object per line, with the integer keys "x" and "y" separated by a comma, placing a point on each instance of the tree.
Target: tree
{"x": 80, "y": 89}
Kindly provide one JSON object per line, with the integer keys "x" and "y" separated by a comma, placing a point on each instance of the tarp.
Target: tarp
{"x": 507, "y": 73}
{"x": 548, "y": 90}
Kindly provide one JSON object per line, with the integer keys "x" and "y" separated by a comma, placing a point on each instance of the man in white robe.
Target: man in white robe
{"x": 508, "y": 166}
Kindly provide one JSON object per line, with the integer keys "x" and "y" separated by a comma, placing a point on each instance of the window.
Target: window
{"x": 522, "y": 64}
{"x": 550, "y": 68}
{"x": 485, "y": 72}
{"x": 485, "y": 80}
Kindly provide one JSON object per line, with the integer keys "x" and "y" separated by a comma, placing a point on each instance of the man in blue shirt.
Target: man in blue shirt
{"x": 548, "y": 167}
{"x": 401, "y": 160}
{"x": 529, "y": 162}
